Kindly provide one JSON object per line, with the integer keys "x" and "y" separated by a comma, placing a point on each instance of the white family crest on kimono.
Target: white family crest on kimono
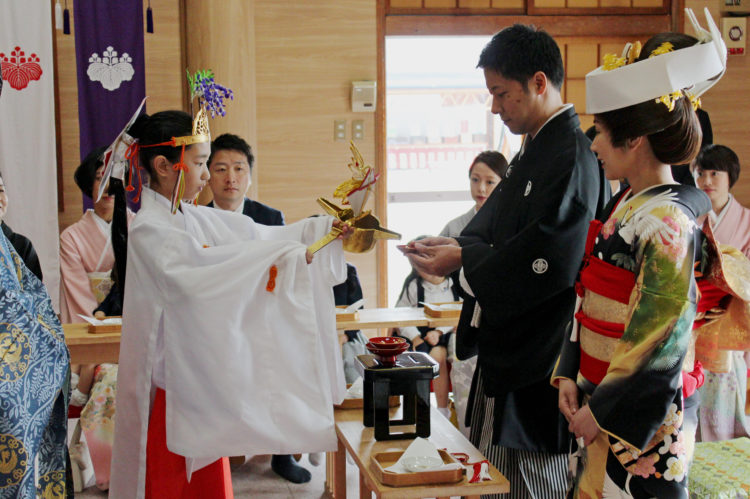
{"x": 227, "y": 317}
{"x": 109, "y": 69}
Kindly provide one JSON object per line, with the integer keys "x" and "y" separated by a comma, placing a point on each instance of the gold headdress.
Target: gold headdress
{"x": 211, "y": 97}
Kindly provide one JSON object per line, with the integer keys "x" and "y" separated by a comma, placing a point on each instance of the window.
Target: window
{"x": 438, "y": 120}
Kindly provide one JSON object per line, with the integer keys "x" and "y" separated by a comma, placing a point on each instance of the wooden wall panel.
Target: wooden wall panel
{"x": 407, "y": 4}
{"x": 474, "y": 4}
{"x": 440, "y": 4}
{"x": 307, "y": 55}
{"x": 165, "y": 75}
{"x": 580, "y": 58}
{"x": 228, "y": 49}
{"x": 583, "y": 3}
{"x": 549, "y": 4}
{"x": 508, "y": 4}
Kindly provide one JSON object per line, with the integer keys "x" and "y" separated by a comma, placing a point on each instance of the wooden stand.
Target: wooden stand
{"x": 434, "y": 310}
{"x": 410, "y": 378}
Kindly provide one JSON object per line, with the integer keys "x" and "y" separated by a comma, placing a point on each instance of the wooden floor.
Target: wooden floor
{"x": 256, "y": 480}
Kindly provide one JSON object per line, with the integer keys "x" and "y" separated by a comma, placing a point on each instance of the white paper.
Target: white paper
{"x": 356, "y": 391}
{"x": 421, "y": 447}
{"x": 97, "y": 322}
{"x": 355, "y": 306}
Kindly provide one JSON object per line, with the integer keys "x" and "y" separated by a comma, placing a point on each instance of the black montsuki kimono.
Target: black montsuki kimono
{"x": 520, "y": 255}
{"x": 25, "y": 250}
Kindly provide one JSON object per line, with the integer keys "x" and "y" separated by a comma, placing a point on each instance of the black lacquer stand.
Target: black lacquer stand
{"x": 409, "y": 378}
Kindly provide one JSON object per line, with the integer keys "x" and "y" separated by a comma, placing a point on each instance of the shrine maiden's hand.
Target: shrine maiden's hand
{"x": 567, "y": 399}
{"x": 435, "y": 260}
{"x": 346, "y": 229}
{"x": 584, "y": 425}
{"x": 308, "y": 257}
{"x": 432, "y": 337}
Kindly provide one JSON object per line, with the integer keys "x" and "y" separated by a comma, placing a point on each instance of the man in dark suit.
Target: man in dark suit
{"x": 519, "y": 256}
{"x": 230, "y": 165}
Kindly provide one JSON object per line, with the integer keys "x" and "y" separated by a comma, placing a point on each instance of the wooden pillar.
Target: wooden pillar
{"x": 220, "y": 35}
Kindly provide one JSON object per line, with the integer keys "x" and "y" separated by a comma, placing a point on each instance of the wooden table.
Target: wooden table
{"x": 371, "y": 318}
{"x": 360, "y": 442}
{"x": 88, "y": 348}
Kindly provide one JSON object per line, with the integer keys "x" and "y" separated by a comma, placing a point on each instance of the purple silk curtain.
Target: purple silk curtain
{"x": 111, "y": 69}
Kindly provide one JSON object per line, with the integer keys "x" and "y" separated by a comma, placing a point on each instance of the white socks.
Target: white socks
{"x": 315, "y": 458}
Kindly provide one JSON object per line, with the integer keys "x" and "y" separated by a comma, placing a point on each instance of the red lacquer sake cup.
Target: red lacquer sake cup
{"x": 386, "y": 348}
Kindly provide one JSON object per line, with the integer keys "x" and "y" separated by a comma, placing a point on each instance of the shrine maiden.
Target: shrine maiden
{"x": 226, "y": 321}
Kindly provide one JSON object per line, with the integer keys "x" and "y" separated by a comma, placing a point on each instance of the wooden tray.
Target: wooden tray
{"x": 381, "y": 460}
{"x": 436, "y": 312}
{"x": 343, "y": 316}
{"x": 106, "y": 328}
{"x": 393, "y": 401}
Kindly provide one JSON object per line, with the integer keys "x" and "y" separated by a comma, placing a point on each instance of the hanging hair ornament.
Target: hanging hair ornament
{"x": 122, "y": 156}
{"x": 211, "y": 97}
{"x": 695, "y": 101}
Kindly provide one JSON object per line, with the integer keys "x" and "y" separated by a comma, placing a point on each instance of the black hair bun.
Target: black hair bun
{"x": 137, "y": 128}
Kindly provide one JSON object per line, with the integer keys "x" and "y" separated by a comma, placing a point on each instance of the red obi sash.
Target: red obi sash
{"x": 617, "y": 284}
{"x": 710, "y": 297}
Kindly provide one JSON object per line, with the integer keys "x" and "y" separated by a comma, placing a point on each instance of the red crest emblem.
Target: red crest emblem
{"x": 19, "y": 69}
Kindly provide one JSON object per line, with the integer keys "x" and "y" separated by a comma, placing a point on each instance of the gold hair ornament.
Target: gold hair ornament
{"x": 630, "y": 53}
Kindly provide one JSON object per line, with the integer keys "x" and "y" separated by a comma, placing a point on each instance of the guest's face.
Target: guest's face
{"x": 715, "y": 183}
{"x": 230, "y": 176}
{"x": 107, "y": 202}
{"x": 3, "y": 199}
{"x": 197, "y": 175}
{"x": 483, "y": 182}
{"x": 512, "y": 101}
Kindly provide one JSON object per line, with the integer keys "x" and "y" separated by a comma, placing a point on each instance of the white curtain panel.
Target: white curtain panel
{"x": 27, "y": 130}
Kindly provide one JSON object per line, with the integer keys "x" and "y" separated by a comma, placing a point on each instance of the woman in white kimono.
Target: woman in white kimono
{"x": 225, "y": 322}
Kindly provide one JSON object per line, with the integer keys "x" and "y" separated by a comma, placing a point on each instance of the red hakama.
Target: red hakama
{"x": 166, "y": 476}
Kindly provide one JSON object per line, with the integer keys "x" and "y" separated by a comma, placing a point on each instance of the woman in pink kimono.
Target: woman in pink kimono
{"x": 724, "y": 394}
{"x": 86, "y": 262}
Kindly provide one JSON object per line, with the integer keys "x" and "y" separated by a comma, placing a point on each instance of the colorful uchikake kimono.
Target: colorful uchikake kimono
{"x": 636, "y": 316}
{"x": 724, "y": 409}
{"x": 34, "y": 366}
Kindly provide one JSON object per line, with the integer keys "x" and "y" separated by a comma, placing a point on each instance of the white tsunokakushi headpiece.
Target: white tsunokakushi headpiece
{"x": 620, "y": 82}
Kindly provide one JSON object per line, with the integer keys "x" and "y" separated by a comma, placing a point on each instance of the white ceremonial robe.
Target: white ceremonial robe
{"x": 245, "y": 370}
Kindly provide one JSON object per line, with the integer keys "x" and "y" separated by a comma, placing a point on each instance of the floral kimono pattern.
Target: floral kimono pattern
{"x": 637, "y": 343}
{"x": 34, "y": 373}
